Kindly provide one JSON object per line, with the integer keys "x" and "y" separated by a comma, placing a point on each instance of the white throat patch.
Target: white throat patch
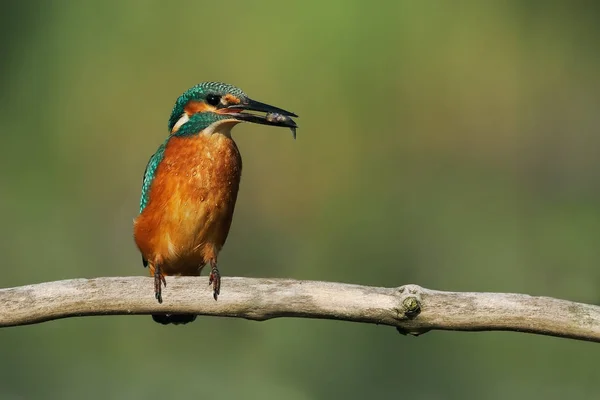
{"x": 182, "y": 120}
{"x": 223, "y": 127}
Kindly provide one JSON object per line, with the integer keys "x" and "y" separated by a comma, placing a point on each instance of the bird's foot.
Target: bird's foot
{"x": 159, "y": 280}
{"x": 215, "y": 280}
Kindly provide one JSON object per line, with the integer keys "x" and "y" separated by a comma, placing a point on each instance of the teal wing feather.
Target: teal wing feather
{"x": 149, "y": 174}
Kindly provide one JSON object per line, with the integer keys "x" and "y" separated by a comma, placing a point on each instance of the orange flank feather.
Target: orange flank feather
{"x": 191, "y": 204}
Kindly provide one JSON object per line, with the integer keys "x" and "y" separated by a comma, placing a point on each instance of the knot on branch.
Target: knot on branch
{"x": 410, "y": 301}
{"x": 410, "y": 308}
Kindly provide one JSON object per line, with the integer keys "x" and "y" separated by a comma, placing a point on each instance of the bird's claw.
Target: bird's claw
{"x": 159, "y": 280}
{"x": 215, "y": 280}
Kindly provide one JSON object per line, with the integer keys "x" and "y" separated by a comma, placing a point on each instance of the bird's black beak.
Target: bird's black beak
{"x": 260, "y": 113}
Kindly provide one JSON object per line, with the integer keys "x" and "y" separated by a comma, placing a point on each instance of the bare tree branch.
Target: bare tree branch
{"x": 410, "y": 308}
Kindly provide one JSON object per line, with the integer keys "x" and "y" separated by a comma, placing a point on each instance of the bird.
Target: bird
{"x": 191, "y": 182}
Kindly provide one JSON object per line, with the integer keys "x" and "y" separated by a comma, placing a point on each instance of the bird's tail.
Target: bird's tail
{"x": 175, "y": 319}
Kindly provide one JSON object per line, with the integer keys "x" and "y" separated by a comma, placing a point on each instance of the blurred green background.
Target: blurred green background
{"x": 449, "y": 144}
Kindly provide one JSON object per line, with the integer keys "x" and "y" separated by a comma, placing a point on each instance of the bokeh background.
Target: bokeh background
{"x": 450, "y": 144}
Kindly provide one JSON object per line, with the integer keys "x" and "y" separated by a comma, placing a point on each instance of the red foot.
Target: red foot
{"x": 215, "y": 280}
{"x": 158, "y": 279}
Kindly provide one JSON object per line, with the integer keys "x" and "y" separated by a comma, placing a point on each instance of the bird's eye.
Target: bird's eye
{"x": 213, "y": 99}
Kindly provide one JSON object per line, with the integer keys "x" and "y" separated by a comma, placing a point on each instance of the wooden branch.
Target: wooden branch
{"x": 410, "y": 308}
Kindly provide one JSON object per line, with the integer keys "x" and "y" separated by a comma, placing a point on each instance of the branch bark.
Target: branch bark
{"x": 411, "y": 309}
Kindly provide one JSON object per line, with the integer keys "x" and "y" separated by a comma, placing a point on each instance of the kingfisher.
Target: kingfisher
{"x": 191, "y": 183}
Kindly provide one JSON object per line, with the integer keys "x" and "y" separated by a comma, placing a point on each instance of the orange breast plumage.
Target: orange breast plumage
{"x": 190, "y": 203}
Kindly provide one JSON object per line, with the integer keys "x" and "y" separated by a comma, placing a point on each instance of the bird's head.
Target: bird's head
{"x": 216, "y": 107}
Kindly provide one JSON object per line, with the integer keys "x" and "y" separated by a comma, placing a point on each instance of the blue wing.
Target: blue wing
{"x": 149, "y": 174}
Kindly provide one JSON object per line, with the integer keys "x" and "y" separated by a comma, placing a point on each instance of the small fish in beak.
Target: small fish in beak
{"x": 276, "y": 118}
